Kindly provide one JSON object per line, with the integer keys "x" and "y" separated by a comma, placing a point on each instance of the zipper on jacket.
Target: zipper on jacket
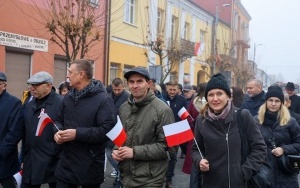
{"x": 228, "y": 153}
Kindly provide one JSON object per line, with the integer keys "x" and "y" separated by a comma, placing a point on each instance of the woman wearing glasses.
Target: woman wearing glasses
{"x": 281, "y": 133}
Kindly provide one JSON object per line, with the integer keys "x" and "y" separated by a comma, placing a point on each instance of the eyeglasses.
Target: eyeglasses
{"x": 272, "y": 101}
{"x": 35, "y": 85}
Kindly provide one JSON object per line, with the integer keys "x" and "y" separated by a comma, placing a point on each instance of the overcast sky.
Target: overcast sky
{"x": 275, "y": 25}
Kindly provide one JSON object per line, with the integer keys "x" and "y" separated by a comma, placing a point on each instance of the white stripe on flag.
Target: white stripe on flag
{"x": 176, "y": 128}
{"x": 115, "y": 132}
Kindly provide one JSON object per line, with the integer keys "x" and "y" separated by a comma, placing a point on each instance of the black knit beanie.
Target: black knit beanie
{"x": 275, "y": 91}
{"x": 217, "y": 81}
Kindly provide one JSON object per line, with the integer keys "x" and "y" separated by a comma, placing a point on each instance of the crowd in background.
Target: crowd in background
{"x": 71, "y": 152}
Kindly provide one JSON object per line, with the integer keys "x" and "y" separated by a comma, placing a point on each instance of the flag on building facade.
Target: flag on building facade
{"x": 117, "y": 134}
{"x": 199, "y": 47}
{"x": 178, "y": 133}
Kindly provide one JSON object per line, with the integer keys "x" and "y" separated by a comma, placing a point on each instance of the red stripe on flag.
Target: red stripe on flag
{"x": 185, "y": 115}
{"x": 179, "y": 138}
{"x": 43, "y": 125}
{"x": 121, "y": 138}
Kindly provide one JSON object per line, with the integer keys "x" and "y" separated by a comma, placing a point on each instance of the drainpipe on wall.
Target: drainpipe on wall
{"x": 107, "y": 44}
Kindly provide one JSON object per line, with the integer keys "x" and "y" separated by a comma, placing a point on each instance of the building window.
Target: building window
{"x": 114, "y": 67}
{"x": 186, "y": 31}
{"x": 129, "y": 11}
{"x": 94, "y": 3}
{"x": 174, "y": 27}
{"x": 202, "y": 36}
{"x": 159, "y": 26}
{"x": 173, "y": 76}
{"x": 127, "y": 68}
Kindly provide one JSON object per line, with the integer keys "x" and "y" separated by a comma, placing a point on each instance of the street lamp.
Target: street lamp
{"x": 255, "y": 51}
{"x": 215, "y": 33}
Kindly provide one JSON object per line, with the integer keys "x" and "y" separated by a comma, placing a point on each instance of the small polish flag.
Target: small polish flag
{"x": 183, "y": 113}
{"x": 44, "y": 120}
{"x": 18, "y": 178}
{"x": 178, "y": 133}
{"x": 117, "y": 134}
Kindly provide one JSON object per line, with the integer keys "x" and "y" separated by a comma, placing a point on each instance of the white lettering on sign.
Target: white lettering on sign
{"x": 22, "y": 41}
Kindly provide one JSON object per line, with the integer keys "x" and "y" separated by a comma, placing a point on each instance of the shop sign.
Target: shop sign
{"x": 23, "y": 41}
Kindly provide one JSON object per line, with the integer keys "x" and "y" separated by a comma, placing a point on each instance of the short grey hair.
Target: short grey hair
{"x": 256, "y": 81}
{"x": 86, "y": 66}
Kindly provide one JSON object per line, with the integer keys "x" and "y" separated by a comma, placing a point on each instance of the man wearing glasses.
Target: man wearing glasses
{"x": 10, "y": 117}
{"x": 40, "y": 153}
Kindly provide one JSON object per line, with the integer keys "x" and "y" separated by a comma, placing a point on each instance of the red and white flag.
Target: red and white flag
{"x": 18, "y": 178}
{"x": 183, "y": 113}
{"x": 117, "y": 134}
{"x": 44, "y": 120}
{"x": 199, "y": 47}
{"x": 178, "y": 133}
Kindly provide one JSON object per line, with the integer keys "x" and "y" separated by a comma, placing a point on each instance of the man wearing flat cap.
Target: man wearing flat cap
{"x": 10, "y": 117}
{"x": 295, "y": 99}
{"x": 143, "y": 117}
{"x": 40, "y": 153}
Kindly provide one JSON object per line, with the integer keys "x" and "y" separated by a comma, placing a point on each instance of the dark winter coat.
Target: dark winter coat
{"x": 82, "y": 159}
{"x": 10, "y": 117}
{"x": 253, "y": 103}
{"x": 295, "y": 103}
{"x": 287, "y": 137}
{"x": 41, "y": 153}
{"x": 224, "y": 153}
{"x": 119, "y": 100}
{"x": 176, "y": 104}
{"x": 143, "y": 122}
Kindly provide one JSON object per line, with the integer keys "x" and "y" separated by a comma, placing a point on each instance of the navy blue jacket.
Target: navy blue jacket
{"x": 176, "y": 104}
{"x": 82, "y": 159}
{"x": 295, "y": 103}
{"x": 40, "y": 153}
{"x": 10, "y": 118}
{"x": 253, "y": 103}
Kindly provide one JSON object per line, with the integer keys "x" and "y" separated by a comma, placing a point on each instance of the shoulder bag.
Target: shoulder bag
{"x": 263, "y": 177}
{"x": 289, "y": 163}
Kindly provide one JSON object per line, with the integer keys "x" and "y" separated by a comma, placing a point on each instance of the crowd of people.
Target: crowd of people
{"x": 71, "y": 147}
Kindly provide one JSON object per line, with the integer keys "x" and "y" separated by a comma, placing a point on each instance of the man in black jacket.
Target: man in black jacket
{"x": 10, "y": 117}
{"x": 176, "y": 102}
{"x": 255, "y": 96}
{"x": 119, "y": 95}
{"x": 295, "y": 99}
{"x": 87, "y": 115}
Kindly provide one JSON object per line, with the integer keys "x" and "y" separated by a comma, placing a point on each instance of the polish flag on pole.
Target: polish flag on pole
{"x": 117, "y": 134}
{"x": 178, "y": 133}
{"x": 44, "y": 120}
{"x": 199, "y": 47}
{"x": 183, "y": 113}
{"x": 18, "y": 178}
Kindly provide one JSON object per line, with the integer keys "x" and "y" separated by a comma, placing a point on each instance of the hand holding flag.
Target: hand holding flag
{"x": 117, "y": 134}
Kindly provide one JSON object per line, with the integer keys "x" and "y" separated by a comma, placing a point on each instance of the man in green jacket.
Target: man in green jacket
{"x": 143, "y": 159}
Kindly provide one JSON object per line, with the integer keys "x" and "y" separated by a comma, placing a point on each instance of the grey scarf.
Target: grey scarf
{"x": 224, "y": 113}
